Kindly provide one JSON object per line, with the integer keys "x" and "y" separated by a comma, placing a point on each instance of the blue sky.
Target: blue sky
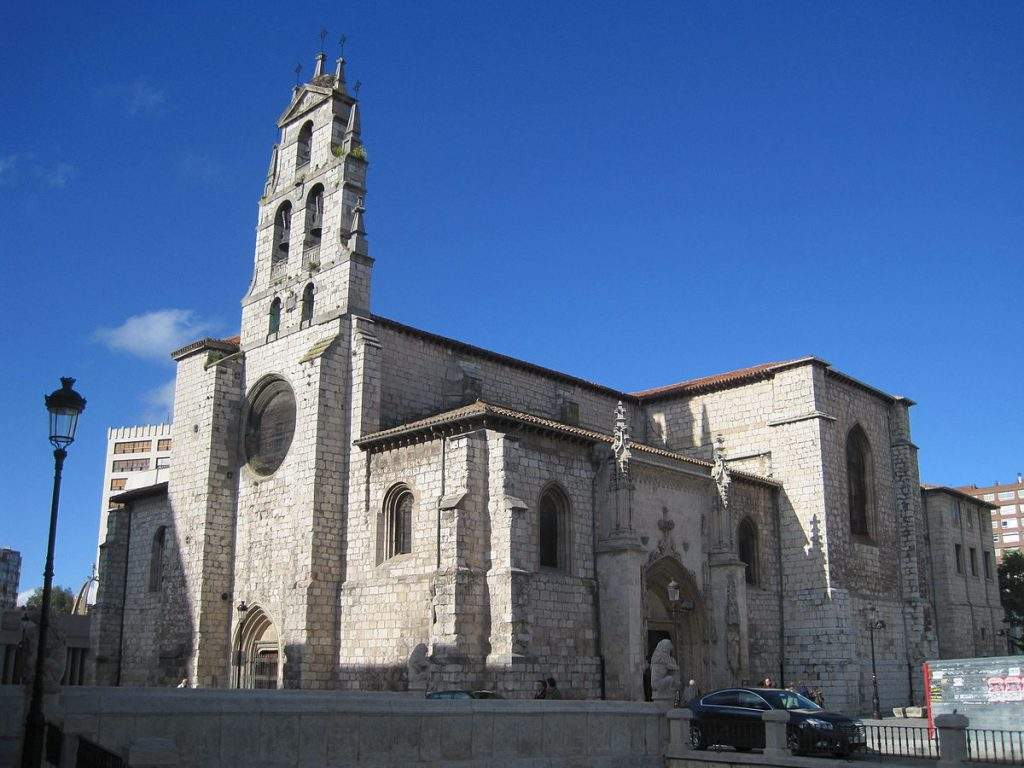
{"x": 632, "y": 193}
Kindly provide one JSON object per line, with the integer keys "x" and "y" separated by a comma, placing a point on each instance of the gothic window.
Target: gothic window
{"x": 859, "y": 476}
{"x": 274, "y": 322}
{"x": 398, "y": 507}
{"x": 305, "y": 144}
{"x": 270, "y": 426}
{"x": 746, "y": 538}
{"x": 282, "y": 233}
{"x": 314, "y": 217}
{"x": 156, "y": 560}
{"x": 307, "y": 306}
{"x": 552, "y": 529}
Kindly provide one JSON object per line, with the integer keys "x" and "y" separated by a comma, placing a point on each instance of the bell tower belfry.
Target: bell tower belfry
{"x": 312, "y": 263}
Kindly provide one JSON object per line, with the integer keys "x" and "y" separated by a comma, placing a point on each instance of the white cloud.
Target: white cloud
{"x": 24, "y": 596}
{"x": 57, "y": 175}
{"x": 154, "y": 335}
{"x": 144, "y": 97}
{"x": 159, "y": 404}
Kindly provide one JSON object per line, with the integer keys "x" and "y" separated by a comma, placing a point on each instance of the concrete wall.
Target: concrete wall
{"x": 279, "y": 729}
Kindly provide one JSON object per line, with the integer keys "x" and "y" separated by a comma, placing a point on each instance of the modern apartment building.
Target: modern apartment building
{"x": 1008, "y": 519}
{"x": 136, "y": 457}
{"x": 10, "y": 576}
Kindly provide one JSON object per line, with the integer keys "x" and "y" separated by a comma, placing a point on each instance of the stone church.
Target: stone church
{"x": 355, "y": 503}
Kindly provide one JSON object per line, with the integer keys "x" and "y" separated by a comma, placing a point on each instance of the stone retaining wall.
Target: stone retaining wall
{"x": 221, "y": 729}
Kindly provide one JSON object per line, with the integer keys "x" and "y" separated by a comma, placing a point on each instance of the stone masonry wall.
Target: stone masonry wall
{"x": 201, "y": 493}
{"x": 423, "y": 376}
{"x": 967, "y": 609}
{"x": 289, "y": 532}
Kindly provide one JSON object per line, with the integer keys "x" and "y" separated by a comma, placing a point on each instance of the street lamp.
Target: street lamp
{"x": 65, "y": 406}
{"x": 873, "y": 625}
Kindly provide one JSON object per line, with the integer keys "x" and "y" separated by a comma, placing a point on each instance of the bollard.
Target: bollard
{"x": 952, "y": 739}
{"x": 679, "y": 729}
{"x": 775, "y": 723}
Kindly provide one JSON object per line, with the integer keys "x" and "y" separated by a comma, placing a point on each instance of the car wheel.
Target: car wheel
{"x": 697, "y": 740}
{"x": 793, "y": 742}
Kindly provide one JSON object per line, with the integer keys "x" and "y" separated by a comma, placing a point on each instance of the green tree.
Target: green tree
{"x": 1011, "y": 590}
{"x": 62, "y": 600}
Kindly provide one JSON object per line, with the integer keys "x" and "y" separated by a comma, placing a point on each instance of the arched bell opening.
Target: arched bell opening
{"x": 257, "y": 662}
{"x": 675, "y": 610}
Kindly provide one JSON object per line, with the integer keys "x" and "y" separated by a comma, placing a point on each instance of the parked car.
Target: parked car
{"x": 732, "y": 717}
{"x": 464, "y": 695}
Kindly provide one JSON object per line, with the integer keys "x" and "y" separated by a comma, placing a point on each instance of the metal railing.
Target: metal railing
{"x": 997, "y": 747}
{"x": 92, "y": 755}
{"x": 900, "y": 741}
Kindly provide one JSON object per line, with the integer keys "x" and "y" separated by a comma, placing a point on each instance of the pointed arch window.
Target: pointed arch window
{"x": 314, "y": 226}
{"x": 274, "y": 322}
{"x": 552, "y": 529}
{"x": 396, "y": 530}
{"x": 156, "y": 559}
{"x": 305, "y": 145}
{"x": 282, "y": 234}
{"x": 307, "y": 306}
{"x": 859, "y": 481}
{"x": 747, "y": 544}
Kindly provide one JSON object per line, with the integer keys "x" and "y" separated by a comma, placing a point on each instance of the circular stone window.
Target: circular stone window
{"x": 270, "y": 427}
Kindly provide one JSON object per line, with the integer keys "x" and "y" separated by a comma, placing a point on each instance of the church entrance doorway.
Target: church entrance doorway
{"x": 676, "y": 612}
{"x": 257, "y": 652}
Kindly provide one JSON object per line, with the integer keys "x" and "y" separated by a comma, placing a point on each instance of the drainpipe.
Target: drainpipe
{"x": 437, "y": 542}
{"x": 777, "y": 512}
{"x": 597, "y": 583}
{"x": 124, "y": 595}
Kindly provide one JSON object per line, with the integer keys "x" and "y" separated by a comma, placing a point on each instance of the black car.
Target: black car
{"x": 464, "y": 695}
{"x": 732, "y": 717}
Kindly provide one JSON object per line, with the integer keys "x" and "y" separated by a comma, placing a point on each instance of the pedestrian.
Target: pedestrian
{"x": 803, "y": 690}
{"x": 540, "y": 689}
{"x": 552, "y": 691}
{"x": 768, "y": 683}
{"x": 691, "y": 692}
{"x": 818, "y": 697}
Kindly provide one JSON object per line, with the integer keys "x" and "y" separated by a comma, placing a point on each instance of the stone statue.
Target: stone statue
{"x": 664, "y": 672}
{"x": 620, "y": 445}
{"x": 720, "y": 471}
{"x": 418, "y": 668}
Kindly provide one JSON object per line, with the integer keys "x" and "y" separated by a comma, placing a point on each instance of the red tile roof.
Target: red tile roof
{"x": 727, "y": 379}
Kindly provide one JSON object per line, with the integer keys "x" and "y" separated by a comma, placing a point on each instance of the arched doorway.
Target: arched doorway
{"x": 257, "y": 652}
{"x": 683, "y": 621}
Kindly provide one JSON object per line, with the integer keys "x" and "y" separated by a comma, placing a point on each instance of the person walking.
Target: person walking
{"x": 553, "y": 692}
{"x": 540, "y": 689}
{"x": 690, "y": 692}
{"x": 768, "y": 683}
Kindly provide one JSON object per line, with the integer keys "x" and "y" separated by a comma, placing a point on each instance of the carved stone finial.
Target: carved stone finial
{"x": 720, "y": 471}
{"x": 620, "y": 445}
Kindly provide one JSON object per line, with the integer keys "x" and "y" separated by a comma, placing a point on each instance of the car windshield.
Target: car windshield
{"x": 788, "y": 700}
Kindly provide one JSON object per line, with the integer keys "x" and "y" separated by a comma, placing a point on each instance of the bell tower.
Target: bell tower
{"x": 312, "y": 263}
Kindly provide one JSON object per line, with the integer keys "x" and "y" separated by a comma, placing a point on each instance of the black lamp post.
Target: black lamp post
{"x": 873, "y": 625}
{"x": 65, "y": 405}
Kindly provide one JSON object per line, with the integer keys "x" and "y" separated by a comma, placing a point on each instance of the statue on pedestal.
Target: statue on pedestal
{"x": 664, "y": 673}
